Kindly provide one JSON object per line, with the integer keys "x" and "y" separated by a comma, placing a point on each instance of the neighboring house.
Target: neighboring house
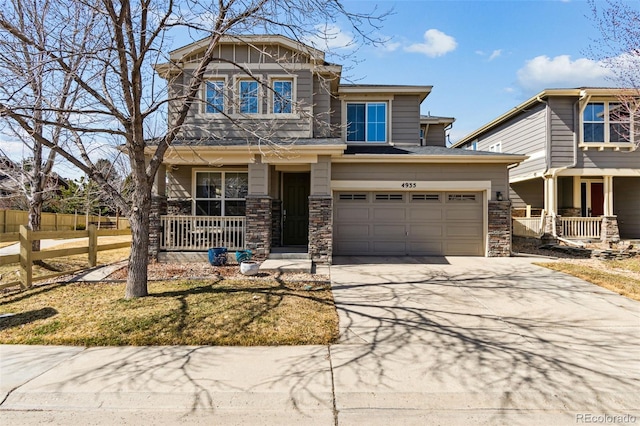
{"x": 282, "y": 154}
{"x": 583, "y": 165}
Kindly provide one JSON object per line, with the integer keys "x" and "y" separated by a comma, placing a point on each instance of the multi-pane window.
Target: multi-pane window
{"x": 248, "y": 97}
{"x": 221, "y": 193}
{"x": 367, "y": 122}
{"x": 606, "y": 122}
{"x": 214, "y": 96}
{"x": 282, "y": 97}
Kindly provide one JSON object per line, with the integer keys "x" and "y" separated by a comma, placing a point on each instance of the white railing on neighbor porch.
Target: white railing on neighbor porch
{"x": 531, "y": 227}
{"x": 200, "y": 233}
{"x": 580, "y": 227}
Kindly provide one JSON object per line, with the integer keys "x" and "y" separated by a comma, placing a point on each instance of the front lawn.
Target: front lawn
{"x": 621, "y": 276}
{"x": 217, "y": 311}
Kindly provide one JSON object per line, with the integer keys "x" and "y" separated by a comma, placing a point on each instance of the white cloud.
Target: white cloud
{"x": 331, "y": 37}
{"x": 391, "y": 47}
{"x": 436, "y": 43}
{"x": 544, "y": 72}
{"x": 495, "y": 54}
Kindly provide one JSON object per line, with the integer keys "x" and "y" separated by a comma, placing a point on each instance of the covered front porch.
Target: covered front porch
{"x": 578, "y": 206}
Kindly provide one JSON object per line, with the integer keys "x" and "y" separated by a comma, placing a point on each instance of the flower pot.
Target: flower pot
{"x": 249, "y": 268}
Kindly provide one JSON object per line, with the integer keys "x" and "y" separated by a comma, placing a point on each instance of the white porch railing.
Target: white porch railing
{"x": 528, "y": 226}
{"x": 580, "y": 227}
{"x": 200, "y": 233}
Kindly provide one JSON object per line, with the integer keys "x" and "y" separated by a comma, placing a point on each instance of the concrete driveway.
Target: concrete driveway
{"x": 462, "y": 340}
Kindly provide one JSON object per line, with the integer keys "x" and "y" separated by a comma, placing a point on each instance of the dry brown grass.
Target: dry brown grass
{"x": 9, "y": 273}
{"x": 620, "y": 276}
{"x": 180, "y": 312}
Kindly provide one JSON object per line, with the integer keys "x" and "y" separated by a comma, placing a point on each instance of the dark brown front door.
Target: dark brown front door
{"x": 597, "y": 199}
{"x": 295, "y": 208}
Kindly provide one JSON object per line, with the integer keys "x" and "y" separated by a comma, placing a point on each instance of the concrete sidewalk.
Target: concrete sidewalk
{"x": 453, "y": 341}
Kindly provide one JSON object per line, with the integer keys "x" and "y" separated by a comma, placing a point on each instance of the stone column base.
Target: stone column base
{"x": 158, "y": 208}
{"x": 610, "y": 233}
{"x": 258, "y": 226}
{"x": 499, "y": 229}
{"x": 321, "y": 229}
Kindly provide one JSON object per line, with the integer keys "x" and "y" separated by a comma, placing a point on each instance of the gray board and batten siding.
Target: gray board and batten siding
{"x": 405, "y": 119}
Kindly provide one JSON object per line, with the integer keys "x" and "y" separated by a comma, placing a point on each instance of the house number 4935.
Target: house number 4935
{"x": 409, "y": 185}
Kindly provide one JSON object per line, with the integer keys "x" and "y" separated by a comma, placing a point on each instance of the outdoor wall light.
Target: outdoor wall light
{"x": 498, "y": 195}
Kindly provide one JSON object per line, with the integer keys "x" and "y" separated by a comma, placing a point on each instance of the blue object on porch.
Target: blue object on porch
{"x": 218, "y": 256}
{"x": 243, "y": 255}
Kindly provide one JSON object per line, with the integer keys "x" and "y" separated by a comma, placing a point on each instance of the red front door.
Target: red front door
{"x": 597, "y": 199}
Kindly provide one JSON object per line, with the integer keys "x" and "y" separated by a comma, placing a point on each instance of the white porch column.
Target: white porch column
{"x": 550, "y": 195}
{"x": 608, "y": 195}
{"x": 577, "y": 192}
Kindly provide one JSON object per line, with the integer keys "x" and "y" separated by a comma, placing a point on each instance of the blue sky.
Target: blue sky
{"x": 481, "y": 57}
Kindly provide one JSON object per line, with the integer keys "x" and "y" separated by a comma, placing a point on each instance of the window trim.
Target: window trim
{"x": 223, "y": 199}
{"x": 271, "y": 98}
{"x": 607, "y": 127}
{"x": 366, "y": 103}
{"x": 238, "y": 95}
{"x": 225, "y": 105}
{"x": 496, "y": 147}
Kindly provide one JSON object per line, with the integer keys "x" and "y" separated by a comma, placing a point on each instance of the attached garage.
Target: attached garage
{"x": 408, "y": 223}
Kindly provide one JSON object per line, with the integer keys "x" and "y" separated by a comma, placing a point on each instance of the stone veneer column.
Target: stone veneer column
{"x": 610, "y": 233}
{"x": 158, "y": 208}
{"x": 499, "y": 228}
{"x": 257, "y": 236}
{"x": 321, "y": 229}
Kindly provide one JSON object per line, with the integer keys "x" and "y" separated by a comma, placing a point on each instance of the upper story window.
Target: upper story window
{"x": 282, "y": 96}
{"x": 214, "y": 96}
{"x": 496, "y": 147}
{"x": 249, "y": 97}
{"x": 606, "y": 122}
{"x": 221, "y": 193}
{"x": 473, "y": 146}
{"x": 367, "y": 122}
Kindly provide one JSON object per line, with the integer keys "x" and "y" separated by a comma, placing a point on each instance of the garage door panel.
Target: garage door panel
{"x": 426, "y": 231}
{"x": 425, "y": 213}
{"x": 392, "y": 214}
{"x": 466, "y": 231}
{"x": 425, "y": 248}
{"x": 454, "y": 248}
{"x": 356, "y": 214}
{"x": 389, "y": 231}
{"x": 464, "y": 214}
{"x": 353, "y": 231}
{"x": 353, "y": 247}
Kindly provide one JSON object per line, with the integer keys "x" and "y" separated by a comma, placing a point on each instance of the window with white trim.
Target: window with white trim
{"x": 248, "y": 97}
{"x": 282, "y": 100}
{"x": 496, "y": 147}
{"x": 214, "y": 96}
{"x": 220, "y": 193}
{"x": 606, "y": 122}
{"x": 367, "y": 122}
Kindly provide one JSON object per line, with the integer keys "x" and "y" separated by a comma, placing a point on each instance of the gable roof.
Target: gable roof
{"x": 579, "y": 92}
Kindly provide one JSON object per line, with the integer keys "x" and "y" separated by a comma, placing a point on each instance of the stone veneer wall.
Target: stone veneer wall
{"x": 321, "y": 229}
{"x": 176, "y": 207}
{"x": 158, "y": 208}
{"x": 610, "y": 233}
{"x": 499, "y": 229}
{"x": 276, "y": 223}
{"x": 258, "y": 226}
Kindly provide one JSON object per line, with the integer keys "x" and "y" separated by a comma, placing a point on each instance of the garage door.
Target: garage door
{"x": 408, "y": 223}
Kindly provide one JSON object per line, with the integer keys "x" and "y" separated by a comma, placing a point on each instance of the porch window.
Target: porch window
{"x": 214, "y": 96}
{"x": 249, "y": 97}
{"x": 606, "y": 122}
{"x": 221, "y": 193}
{"x": 282, "y": 96}
{"x": 367, "y": 122}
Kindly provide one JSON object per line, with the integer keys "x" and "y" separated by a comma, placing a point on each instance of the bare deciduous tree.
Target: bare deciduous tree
{"x": 118, "y": 101}
{"x": 618, "y": 49}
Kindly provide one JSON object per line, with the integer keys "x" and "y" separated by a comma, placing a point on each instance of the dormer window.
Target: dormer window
{"x": 214, "y": 96}
{"x": 367, "y": 122}
{"x": 606, "y": 122}
{"x": 282, "y": 96}
{"x": 248, "y": 97}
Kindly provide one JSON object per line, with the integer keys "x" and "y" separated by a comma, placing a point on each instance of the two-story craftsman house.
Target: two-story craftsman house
{"x": 280, "y": 153}
{"x": 583, "y": 165}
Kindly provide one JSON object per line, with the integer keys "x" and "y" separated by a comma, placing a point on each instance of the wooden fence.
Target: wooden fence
{"x": 10, "y": 221}
{"x": 27, "y": 256}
